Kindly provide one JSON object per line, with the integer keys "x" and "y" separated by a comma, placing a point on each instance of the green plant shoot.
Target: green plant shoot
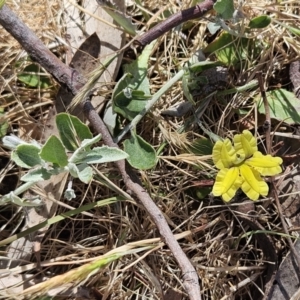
{"x": 54, "y": 157}
{"x": 2, "y": 2}
{"x": 241, "y": 166}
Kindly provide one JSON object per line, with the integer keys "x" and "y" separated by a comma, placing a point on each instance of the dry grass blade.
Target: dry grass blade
{"x": 83, "y": 272}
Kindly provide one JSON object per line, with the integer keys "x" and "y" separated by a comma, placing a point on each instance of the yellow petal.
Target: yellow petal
{"x": 228, "y": 181}
{"x": 245, "y": 144}
{"x": 223, "y": 154}
{"x": 266, "y": 165}
{"x": 253, "y": 185}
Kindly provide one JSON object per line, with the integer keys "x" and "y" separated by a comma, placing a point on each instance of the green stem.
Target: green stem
{"x": 21, "y": 189}
{"x": 149, "y": 104}
{"x": 24, "y": 187}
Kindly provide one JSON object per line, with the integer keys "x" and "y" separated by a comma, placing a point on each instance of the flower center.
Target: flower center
{"x": 240, "y": 158}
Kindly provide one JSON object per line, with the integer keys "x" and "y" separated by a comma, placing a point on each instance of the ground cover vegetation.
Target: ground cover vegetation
{"x": 201, "y": 99}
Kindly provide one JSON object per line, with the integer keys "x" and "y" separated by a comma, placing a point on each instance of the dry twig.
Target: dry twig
{"x": 174, "y": 20}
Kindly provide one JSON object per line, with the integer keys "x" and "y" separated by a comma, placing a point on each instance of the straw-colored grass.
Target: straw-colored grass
{"x": 223, "y": 257}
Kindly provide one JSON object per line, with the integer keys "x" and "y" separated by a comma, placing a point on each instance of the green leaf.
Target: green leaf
{"x": 119, "y": 17}
{"x": 84, "y": 148}
{"x": 3, "y": 123}
{"x": 201, "y": 146}
{"x": 73, "y": 169}
{"x": 186, "y": 87}
{"x": 129, "y": 103}
{"x": 142, "y": 156}
{"x": 132, "y": 90}
{"x": 139, "y": 69}
{"x": 72, "y": 131}
{"x": 203, "y": 192}
{"x": 204, "y": 65}
{"x": 294, "y": 30}
{"x": 32, "y": 76}
{"x": 110, "y": 118}
{"x": 224, "y": 8}
{"x": 284, "y": 106}
{"x": 233, "y": 51}
{"x": 191, "y": 79}
{"x": 12, "y": 142}
{"x": 260, "y": 22}
{"x": 2, "y": 2}
{"x": 83, "y": 171}
{"x": 53, "y": 151}
{"x": 100, "y": 155}
{"x": 3, "y": 128}
{"x": 86, "y": 143}
{"x": 36, "y": 175}
{"x": 26, "y": 156}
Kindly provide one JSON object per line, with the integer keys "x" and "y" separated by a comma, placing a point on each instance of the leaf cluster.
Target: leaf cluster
{"x": 71, "y": 152}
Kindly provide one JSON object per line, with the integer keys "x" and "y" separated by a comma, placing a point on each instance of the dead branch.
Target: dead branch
{"x": 174, "y": 20}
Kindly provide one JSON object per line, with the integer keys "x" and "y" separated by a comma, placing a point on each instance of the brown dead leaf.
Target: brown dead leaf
{"x": 172, "y": 295}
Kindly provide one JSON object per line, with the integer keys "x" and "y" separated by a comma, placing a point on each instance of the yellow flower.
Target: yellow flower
{"x": 241, "y": 166}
